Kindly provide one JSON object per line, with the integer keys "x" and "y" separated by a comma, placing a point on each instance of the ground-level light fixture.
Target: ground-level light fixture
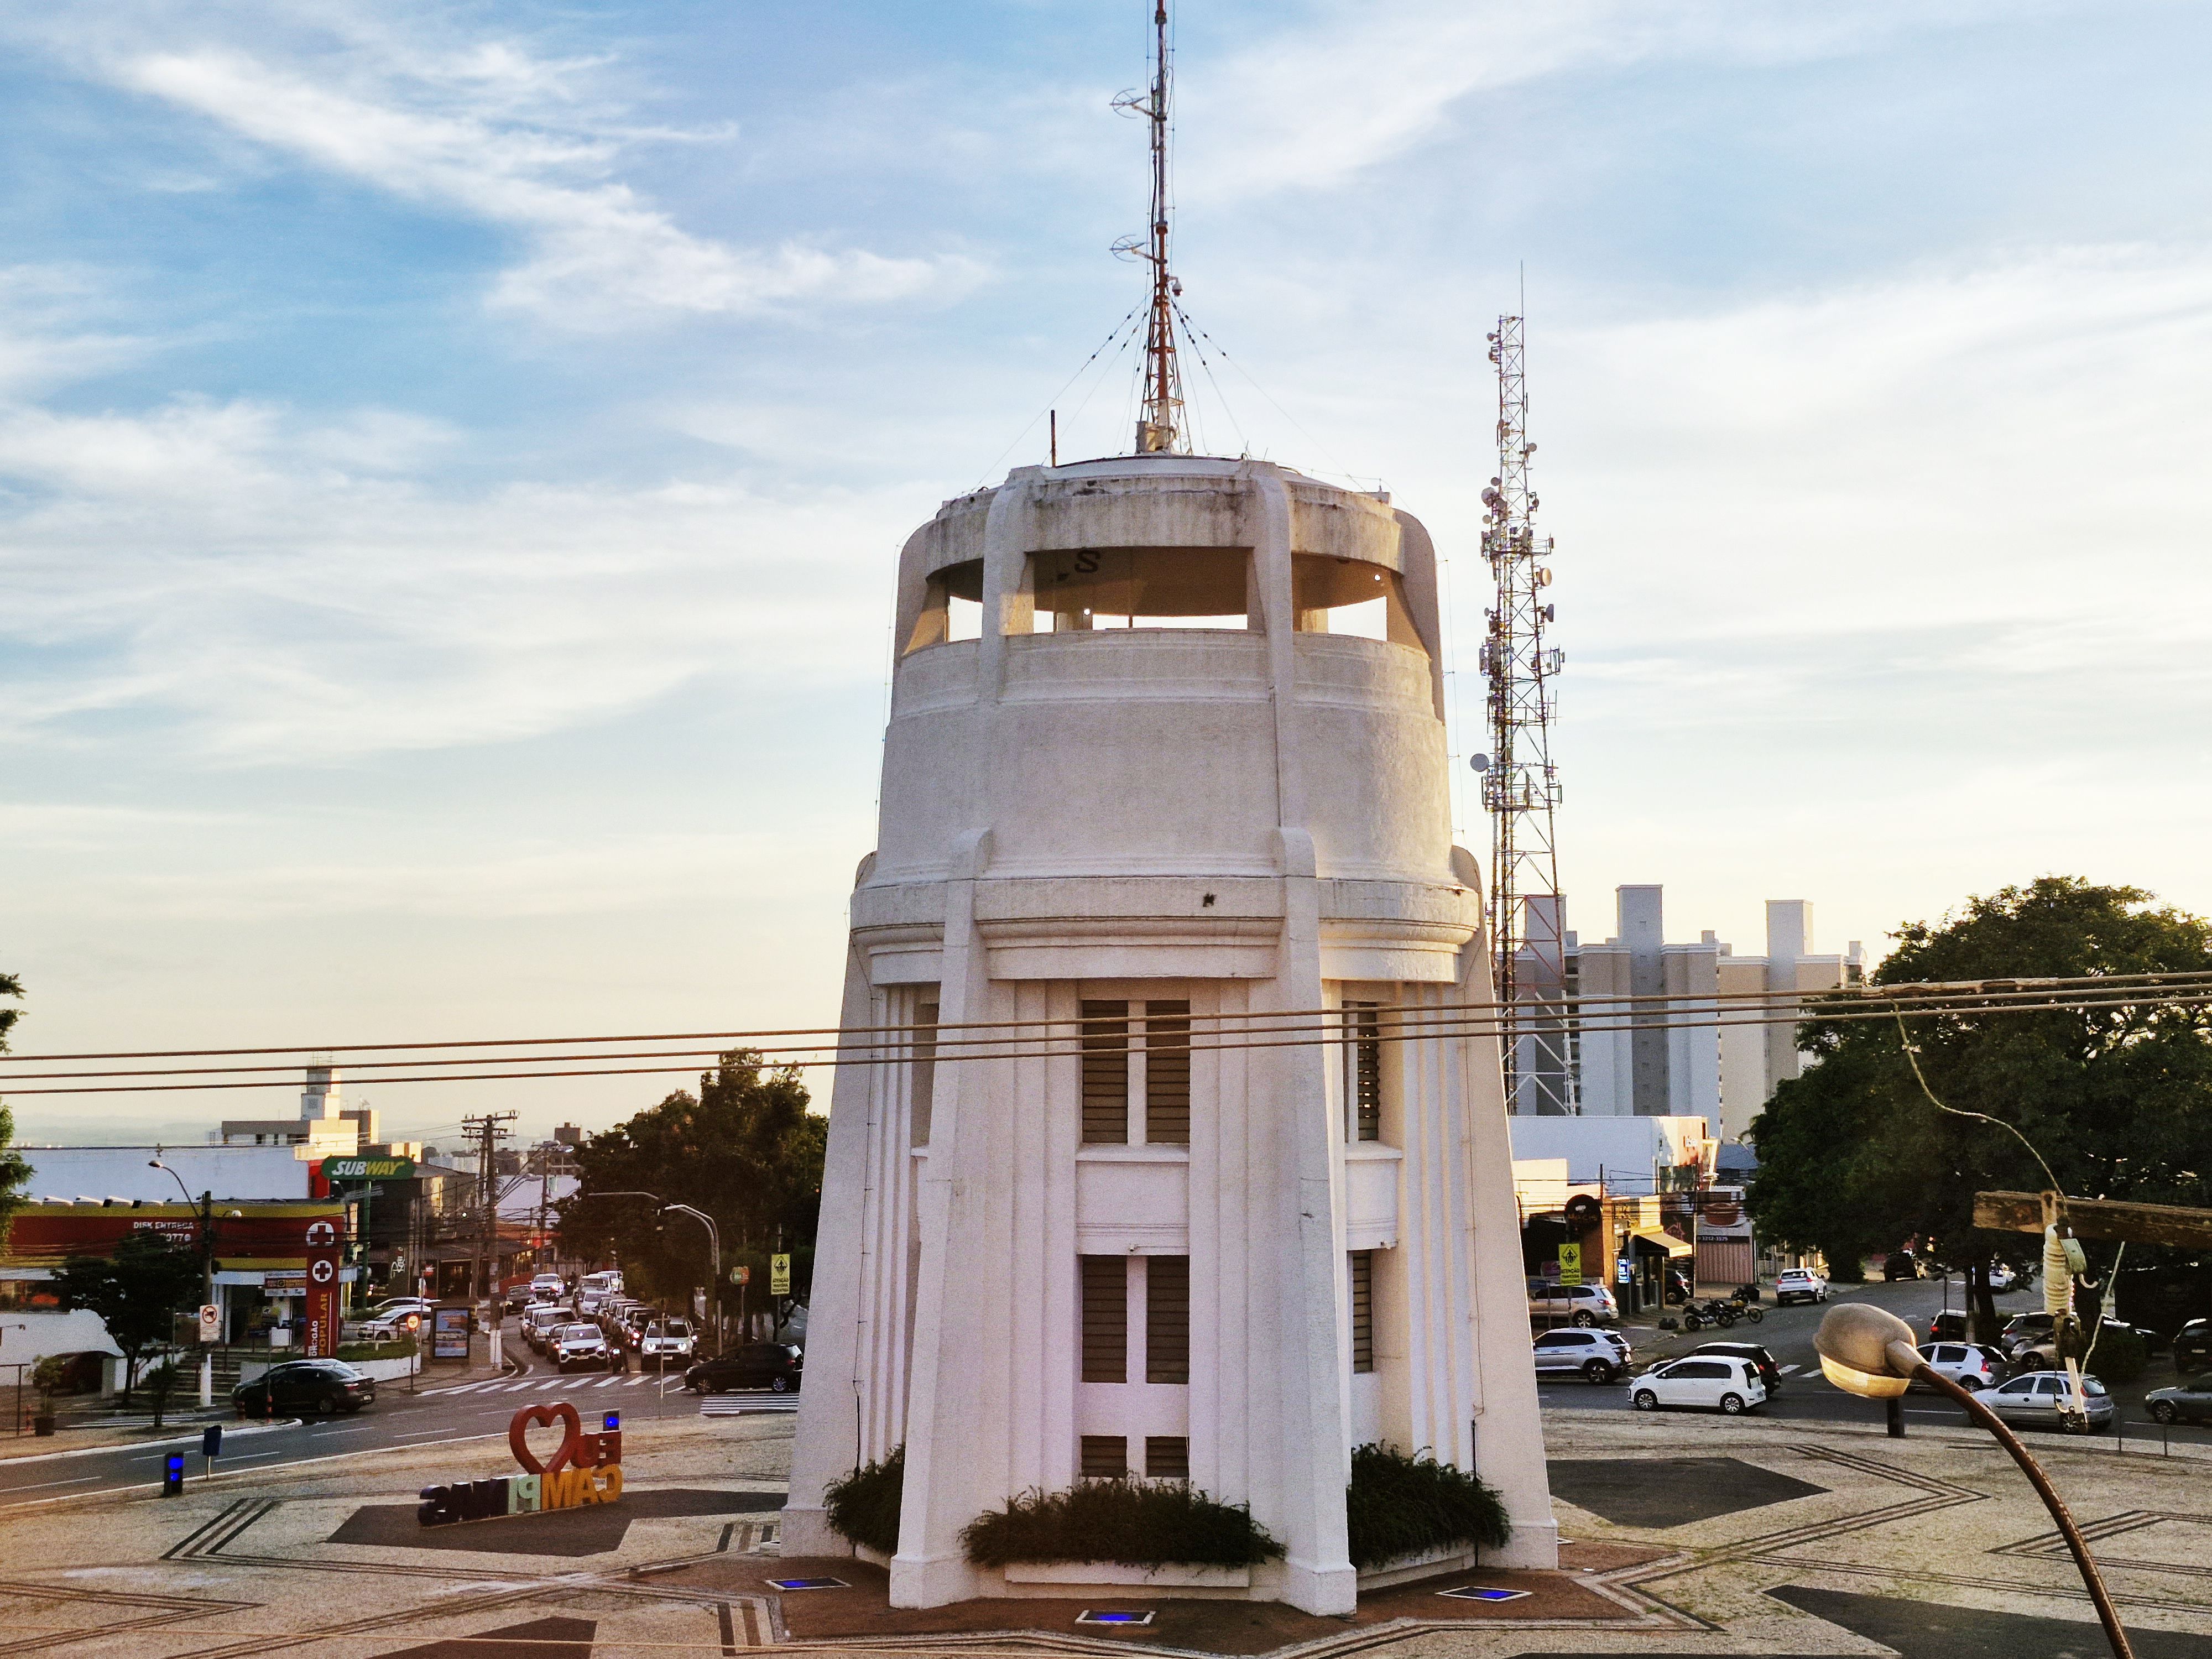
{"x": 1871, "y": 1353}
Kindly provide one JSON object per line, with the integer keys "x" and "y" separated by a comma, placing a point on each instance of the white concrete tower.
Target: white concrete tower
{"x": 1166, "y": 743}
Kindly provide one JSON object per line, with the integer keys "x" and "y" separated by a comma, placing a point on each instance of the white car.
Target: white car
{"x": 1712, "y": 1382}
{"x": 1969, "y": 1364}
{"x": 665, "y": 1340}
{"x": 2040, "y": 1400}
{"x": 1572, "y": 1304}
{"x": 2002, "y": 1279}
{"x": 1599, "y": 1355}
{"x": 540, "y": 1324}
{"x": 584, "y": 1345}
{"x": 1799, "y": 1285}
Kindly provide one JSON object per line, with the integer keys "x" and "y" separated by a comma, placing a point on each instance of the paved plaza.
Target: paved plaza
{"x": 1688, "y": 1535}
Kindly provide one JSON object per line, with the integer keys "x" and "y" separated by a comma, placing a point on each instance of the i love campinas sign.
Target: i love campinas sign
{"x": 584, "y": 1468}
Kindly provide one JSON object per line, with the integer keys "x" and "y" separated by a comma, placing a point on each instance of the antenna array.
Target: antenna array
{"x": 1159, "y": 425}
{"x": 1520, "y": 786}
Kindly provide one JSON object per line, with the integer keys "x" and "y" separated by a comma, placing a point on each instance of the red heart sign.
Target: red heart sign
{"x": 518, "y": 1432}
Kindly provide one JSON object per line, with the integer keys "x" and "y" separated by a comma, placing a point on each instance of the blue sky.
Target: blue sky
{"x": 452, "y": 458}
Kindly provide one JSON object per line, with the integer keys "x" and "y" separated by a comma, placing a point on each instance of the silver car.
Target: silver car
{"x": 2040, "y": 1401}
{"x": 1598, "y": 1356}
{"x": 1970, "y": 1364}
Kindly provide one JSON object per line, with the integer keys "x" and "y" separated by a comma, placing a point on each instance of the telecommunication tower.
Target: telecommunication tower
{"x": 1160, "y": 424}
{"x": 1520, "y": 786}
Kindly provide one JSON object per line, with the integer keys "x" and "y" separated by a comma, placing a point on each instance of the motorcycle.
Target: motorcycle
{"x": 1697, "y": 1315}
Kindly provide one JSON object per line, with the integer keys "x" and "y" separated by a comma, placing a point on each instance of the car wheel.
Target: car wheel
{"x": 1731, "y": 1404}
{"x": 778, "y": 1385}
{"x": 1971, "y": 1384}
{"x": 2162, "y": 1410}
{"x": 1645, "y": 1401}
{"x": 1598, "y": 1371}
{"x": 1584, "y": 1318}
{"x": 325, "y": 1406}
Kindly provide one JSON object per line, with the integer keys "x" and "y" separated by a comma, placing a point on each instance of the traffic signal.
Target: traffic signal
{"x": 172, "y": 1474}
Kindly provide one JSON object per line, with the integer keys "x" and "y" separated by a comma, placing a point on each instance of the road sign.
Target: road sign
{"x": 1571, "y": 1264}
{"x": 211, "y": 1321}
{"x": 779, "y": 1275}
{"x": 741, "y": 1275}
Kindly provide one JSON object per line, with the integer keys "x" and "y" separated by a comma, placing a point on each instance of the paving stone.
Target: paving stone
{"x": 1672, "y": 1491}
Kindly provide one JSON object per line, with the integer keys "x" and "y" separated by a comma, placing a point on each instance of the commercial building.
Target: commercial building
{"x": 1166, "y": 754}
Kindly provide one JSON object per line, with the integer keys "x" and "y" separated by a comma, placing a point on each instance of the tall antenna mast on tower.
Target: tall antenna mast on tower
{"x": 1520, "y": 787}
{"x": 1159, "y": 428}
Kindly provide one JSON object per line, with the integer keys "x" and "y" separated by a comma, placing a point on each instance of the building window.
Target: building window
{"x": 951, "y": 606}
{"x": 1167, "y": 1319}
{"x": 1105, "y": 1319}
{"x": 1363, "y": 1310}
{"x": 1105, "y": 1073}
{"x": 1167, "y": 1457}
{"x": 1363, "y": 1071}
{"x": 1087, "y": 590}
{"x": 1330, "y": 595}
{"x": 1105, "y": 1456}
{"x": 923, "y": 1059}
{"x": 1167, "y": 1073}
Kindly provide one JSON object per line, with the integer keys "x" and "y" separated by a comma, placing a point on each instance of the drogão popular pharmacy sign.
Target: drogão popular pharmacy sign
{"x": 584, "y": 1468}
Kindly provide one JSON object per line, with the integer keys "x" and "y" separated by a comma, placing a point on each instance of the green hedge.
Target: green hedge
{"x": 2119, "y": 1357}
{"x": 1399, "y": 1506}
{"x": 863, "y": 1508}
{"x": 1137, "y": 1523}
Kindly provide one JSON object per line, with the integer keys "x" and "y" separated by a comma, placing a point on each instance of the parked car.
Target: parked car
{"x": 2185, "y": 1402}
{"x": 1599, "y": 1355}
{"x": 1770, "y": 1372}
{"x": 382, "y": 1330}
{"x": 580, "y": 1347}
{"x": 2004, "y": 1277}
{"x": 776, "y": 1366}
{"x": 1970, "y": 1364}
{"x": 1572, "y": 1304}
{"x": 1799, "y": 1285}
{"x": 2038, "y": 1401}
{"x": 664, "y": 1341}
{"x": 1715, "y": 1383}
{"x": 1900, "y": 1264}
{"x": 2192, "y": 1346}
{"x": 321, "y": 1386}
{"x": 2036, "y": 1350}
{"x": 399, "y": 1307}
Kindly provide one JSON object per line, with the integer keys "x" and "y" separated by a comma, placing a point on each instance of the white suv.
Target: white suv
{"x": 1600, "y": 1356}
{"x": 581, "y": 1345}
{"x": 1799, "y": 1285}
{"x": 1714, "y": 1382}
{"x": 1572, "y": 1304}
{"x": 665, "y": 1340}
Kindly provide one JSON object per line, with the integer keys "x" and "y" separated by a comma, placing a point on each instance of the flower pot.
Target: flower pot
{"x": 42, "y": 1423}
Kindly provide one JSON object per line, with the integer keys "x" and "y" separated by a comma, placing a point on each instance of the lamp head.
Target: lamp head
{"x": 1857, "y": 1343}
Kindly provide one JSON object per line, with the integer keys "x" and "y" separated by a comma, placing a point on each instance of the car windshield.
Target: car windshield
{"x": 581, "y": 1333}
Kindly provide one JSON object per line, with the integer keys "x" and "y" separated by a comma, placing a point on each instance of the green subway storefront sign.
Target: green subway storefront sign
{"x": 368, "y": 1169}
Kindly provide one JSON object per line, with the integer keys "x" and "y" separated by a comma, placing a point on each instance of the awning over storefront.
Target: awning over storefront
{"x": 1664, "y": 1241}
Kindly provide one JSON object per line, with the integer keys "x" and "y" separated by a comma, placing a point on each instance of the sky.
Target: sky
{"x": 452, "y": 458}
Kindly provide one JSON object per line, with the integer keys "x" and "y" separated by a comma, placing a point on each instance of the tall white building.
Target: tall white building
{"x": 1166, "y": 749}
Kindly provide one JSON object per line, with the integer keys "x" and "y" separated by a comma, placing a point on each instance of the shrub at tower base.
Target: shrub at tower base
{"x": 1401, "y": 1506}
{"x": 1136, "y": 1523}
{"x": 863, "y": 1508}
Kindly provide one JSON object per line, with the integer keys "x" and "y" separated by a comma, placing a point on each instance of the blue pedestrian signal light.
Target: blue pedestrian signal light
{"x": 612, "y": 1422}
{"x": 172, "y": 1474}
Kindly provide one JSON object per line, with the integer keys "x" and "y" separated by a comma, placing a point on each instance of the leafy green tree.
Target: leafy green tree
{"x": 1854, "y": 1157}
{"x": 15, "y": 1169}
{"x": 744, "y": 1150}
{"x": 137, "y": 1292}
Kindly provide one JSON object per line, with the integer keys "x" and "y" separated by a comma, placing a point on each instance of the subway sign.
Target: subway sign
{"x": 368, "y": 1169}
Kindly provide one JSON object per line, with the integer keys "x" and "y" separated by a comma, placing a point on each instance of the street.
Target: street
{"x": 1787, "y": 1333}
{"x": 438, "y": 1413}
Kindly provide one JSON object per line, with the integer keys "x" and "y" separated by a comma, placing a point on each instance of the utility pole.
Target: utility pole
{"x": 487, "y": 1132}
{"x": 1520, "y": 786}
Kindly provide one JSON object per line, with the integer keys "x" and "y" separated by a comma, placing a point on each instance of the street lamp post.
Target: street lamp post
{"x": 714, "y": 1243}
{"x": 1870, "y": 1352}
{"x": 205, "y": 1205}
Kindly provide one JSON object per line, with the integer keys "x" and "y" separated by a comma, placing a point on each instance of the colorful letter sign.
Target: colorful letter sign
{"x": 584, "y": 1468}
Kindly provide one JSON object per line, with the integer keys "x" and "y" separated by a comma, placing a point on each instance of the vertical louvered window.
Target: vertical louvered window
{"x": 1167, "y": 1319}
{"x": 1105, "y": 1456}
{"x": 1105, "y": 1073}
{"x": 1363, "y": 1071}
{"x": 1363, "y": 1310}
{"x": 1105, "y": 1319}
{"x": 924, "y": 1061}
{"x": 1167, "y": 1073}
{"x": 1167, "y": 1457}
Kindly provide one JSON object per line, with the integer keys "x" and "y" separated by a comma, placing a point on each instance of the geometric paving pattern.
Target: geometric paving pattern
{"x": 1672, "y": 1491}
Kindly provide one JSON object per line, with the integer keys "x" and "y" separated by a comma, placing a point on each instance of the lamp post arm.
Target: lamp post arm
{"x": 1919, "y": 1369}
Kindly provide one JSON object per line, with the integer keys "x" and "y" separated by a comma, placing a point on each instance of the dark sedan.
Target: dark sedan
{"x": 2192, "y": 1346}
{"x": 2189, "y": 1402}
{"x": 775, "y": 1366}
{"x": 316, "y": 1386}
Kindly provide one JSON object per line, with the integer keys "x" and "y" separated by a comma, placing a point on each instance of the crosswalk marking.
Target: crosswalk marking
{"x": 606, "y": 1381}
{"x": 1786, "y": 1370}
{"x": 632, "y": 1382}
